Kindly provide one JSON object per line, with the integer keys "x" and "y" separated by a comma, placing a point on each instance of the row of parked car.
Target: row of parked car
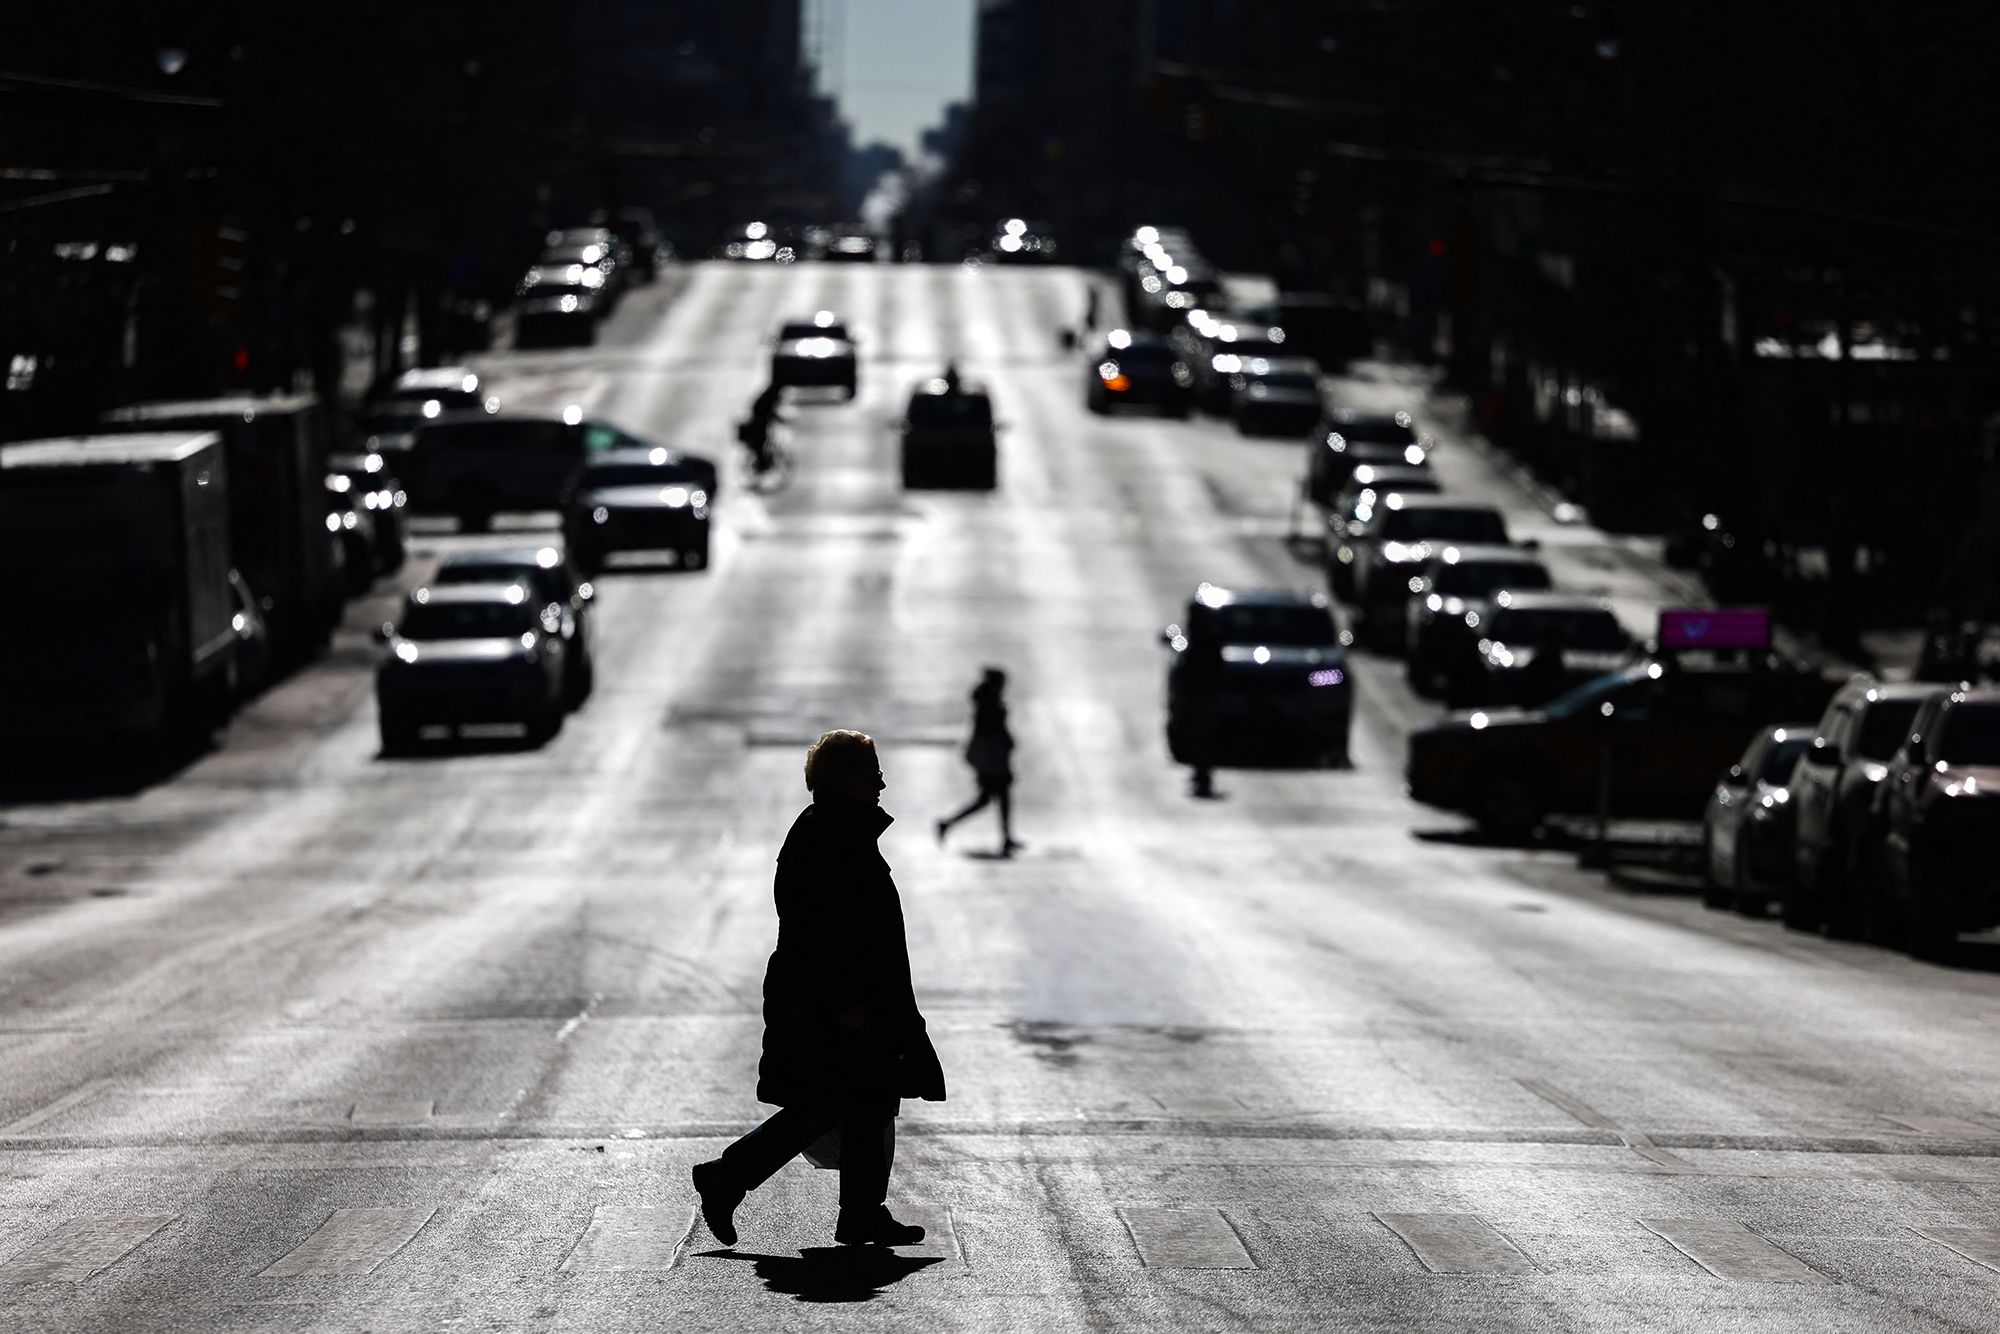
{"x": 1876, "y": 821}
{"x": 580, "y": 275}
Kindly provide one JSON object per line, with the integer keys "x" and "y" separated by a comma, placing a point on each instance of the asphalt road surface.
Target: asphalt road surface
{"x": 303, "y": 1038}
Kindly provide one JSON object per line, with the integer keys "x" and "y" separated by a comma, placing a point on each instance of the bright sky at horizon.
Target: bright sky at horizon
{"x": 900, "y": 63}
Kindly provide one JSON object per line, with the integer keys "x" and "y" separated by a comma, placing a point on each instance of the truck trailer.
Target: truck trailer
{"x": 124, "y": 543}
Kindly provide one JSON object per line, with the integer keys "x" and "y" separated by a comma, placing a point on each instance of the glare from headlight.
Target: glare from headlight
{"x": 600, "y": 515}
{"x": 406, "y": 650}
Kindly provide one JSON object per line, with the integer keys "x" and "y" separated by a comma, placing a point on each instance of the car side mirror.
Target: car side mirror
{"x": 381, "y": 633}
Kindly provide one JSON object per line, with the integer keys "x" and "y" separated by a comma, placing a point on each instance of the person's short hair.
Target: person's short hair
{"x": 837, "y": 751}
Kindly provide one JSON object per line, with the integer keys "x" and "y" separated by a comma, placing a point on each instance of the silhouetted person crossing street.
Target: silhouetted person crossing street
{"x": 843, "y": 1038}
{"x": 991, "y": 755}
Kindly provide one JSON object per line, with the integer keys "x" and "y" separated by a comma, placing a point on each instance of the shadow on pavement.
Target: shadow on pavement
{"x": 1544, "y": 840}
{"x": 85, "y": 773}
{"x": 830, "y": 1273}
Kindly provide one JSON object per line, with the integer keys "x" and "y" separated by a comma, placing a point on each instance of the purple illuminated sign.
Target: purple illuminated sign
{"x": 1715, "y": 627}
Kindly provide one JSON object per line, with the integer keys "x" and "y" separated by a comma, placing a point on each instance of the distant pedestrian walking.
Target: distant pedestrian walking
{"x": 843, "y": 1038}
{"x": 991, "y": 755}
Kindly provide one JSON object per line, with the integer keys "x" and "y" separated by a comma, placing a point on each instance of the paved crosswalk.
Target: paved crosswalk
{"x": 354, "y": 1242}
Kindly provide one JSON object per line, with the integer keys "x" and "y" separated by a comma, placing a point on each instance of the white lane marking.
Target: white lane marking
{"x": 352, "y": 1242}
{"x": 1185, "y": 1239}
{"x": 1457, "y": 1244}
{"x": 940, "y": 1233}
{"x": 82, "y": 1247}
{"x": 391, "y": 1111}
{"x": 579, "y": 1019}
{"x": 1944, "y": 1127}
{"x": 1637, "y": 1142}
{"x": 630, "y": 1239}
{"x": 1981, "y": 1245}
{"x": 48, "y": 1111}
{"x": 1727, "y": 1249}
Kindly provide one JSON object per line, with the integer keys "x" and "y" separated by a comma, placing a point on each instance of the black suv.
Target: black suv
{"x": 1449, "y": 604}
{"x": 1256, "y": 671}
{"x": 554, "y": 578}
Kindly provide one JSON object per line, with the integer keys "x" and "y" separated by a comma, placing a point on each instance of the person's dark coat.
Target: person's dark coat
{"x": 841, "y": 944}
{"x": 990, "y": 752}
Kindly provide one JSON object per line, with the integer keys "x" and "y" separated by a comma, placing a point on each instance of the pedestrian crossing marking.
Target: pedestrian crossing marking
{"x": 82, "y": 1247}
{"x": 1727, "y": 1249}
{"x": 1945, "y": 1127}
{"x": 351, "y": 1243}
{"x": 391, "y": 1111}
{"x": 50, "y": 1110}
{"x": 940, "y": 1232}
{"x": 1981, "y": 1245}
{"x": 1185, "y": 1239}
{"x": 630, "y": 1239}
{"x": 1457, "y": 1244}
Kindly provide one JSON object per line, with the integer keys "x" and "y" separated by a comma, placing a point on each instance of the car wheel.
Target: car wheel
{"x": 852, "y": 390}
{"x": 1797, "y": 909}
{"x": 1714, "y": 894}
{"x": 544, "y": 723}
{"x": 398, "y": 736}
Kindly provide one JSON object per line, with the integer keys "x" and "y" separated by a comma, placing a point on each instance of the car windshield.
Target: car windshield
{"x": 1884, "y": 726}
{"x": 546, "y": 582}
{"x": 792, "y": 332}
{"x": 1781, "y": 757}
{"x": 1589, "y": 697}
{"x": 637, "y": 474}
{"x": 1443, "y": 525}
{"x": 1290, "y": 624}
{"x": 1971, "y": 734}
{"x": 1551, "y": 627}
{"x": 546, "y": 288}
{"x": 498, "y": 435}
{"x": 1253, "y": 347}
{"x": 1143, "y": 354}
{"x": 1477, "y": 578}
{"x": 1383, "y": 430}
{"x": 467, "y": 620}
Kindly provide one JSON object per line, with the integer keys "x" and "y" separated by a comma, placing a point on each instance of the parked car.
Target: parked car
{"x": 817, "y": 351}
{"x": 1833, "y": 799}
{"x": 381, "y": 497}
{"x": 649, "y": 250}
{"x": 1448, "y": 606}
{"x": 471, "y": 653}
{"x": 353, "y": 529}
{"x": 1277, "y": 396}
{"x": 553, "y": 578}
{"x": 949, "y": 438}
{"x": 757, "y": 243}
{"x": 1376, "y": 566}
{"x": 1345, "y": 440}
{"x": 593, "y": 248}
{"x": 638, "y": 501}
{"x": 1257, "y": 672}
{"x": 847, "y": 246}
{"x": 1021, "y": 241}
{"x": 1938, "y": 816}
{"x": 1747, "y": 828}
{"x": 1647, "y": 741}
{"x": 1535, "y": 646}
{"x": 1137, "y": 370}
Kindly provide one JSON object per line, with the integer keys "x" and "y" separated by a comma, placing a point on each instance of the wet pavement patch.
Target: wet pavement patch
{"x": 1051, "y": 1042}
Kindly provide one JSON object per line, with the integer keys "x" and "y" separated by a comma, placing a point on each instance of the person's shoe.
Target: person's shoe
{"x": 875, "y": 1227}
{"x": 942, "y": 827}
{"x": 718, "y": 1201}
{"x": 1009, "y": 847}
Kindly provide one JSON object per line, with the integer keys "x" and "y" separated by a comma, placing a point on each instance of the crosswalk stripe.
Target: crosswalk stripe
{"x": 391, "y": 1111}
{"x": 1457, "y": 1244}
{"x": 82, "y": 1247}
{"x": 940, "y": 1233}
{"x": 1185, "y": 1239}
{"x": 1945, "y": 1127}
{"x": 1981, "y": 1245}
{"x": 352, "y": 1242}
{"x": 1728, "y": 1249}
{"x": 630, "y": 1239}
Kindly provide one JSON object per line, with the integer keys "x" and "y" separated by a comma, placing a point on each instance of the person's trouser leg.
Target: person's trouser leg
{"x": 978, "y": 804}
{"x": 866, "y": 1146}
{"x": 1005, "y": 795}
{"x": 752, "y": 1160}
